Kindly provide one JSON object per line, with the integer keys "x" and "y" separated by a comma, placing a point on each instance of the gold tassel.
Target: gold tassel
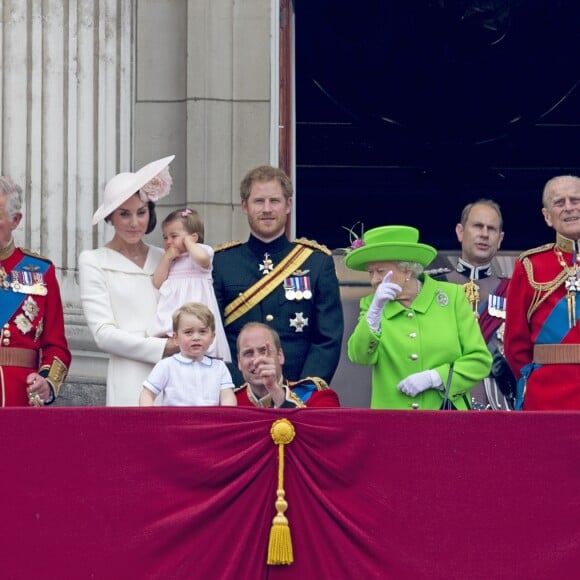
{"x": 472, "y": 293}
{"x": 280, "y": 544}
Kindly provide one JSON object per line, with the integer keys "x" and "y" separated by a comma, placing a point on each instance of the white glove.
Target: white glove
{"x": 419, "y": 382}
{"x": 385, "y": 292}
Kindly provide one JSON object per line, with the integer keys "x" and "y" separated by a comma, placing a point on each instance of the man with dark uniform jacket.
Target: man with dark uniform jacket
{"x": 480, "y": 233}
{"x": 290, "y": 286}
{"x": 260, "y": 360}
{"x": 34, "y": 355}
{"x": 542, "y": 333}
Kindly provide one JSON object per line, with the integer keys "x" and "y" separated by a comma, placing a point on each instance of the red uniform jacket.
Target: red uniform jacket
{"x": 32, "y": 321}
{"x": 537, "y": 313}
{"x": 309, "y": 392}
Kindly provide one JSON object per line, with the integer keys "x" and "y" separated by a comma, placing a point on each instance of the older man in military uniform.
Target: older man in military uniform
{"x": 290, "y": 286}
{"x": 542, "y": 334}
{"x": 480, "y": 233}
{"x": 34, "y": 355}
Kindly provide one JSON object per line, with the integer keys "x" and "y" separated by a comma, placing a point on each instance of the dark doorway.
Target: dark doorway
{"x": 407, "y": 110}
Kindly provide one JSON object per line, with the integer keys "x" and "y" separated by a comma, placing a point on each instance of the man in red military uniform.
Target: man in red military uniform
{"x": 260, "y": 360}
{"x": 542, "y": 334}
{"x": 34, "y": 355}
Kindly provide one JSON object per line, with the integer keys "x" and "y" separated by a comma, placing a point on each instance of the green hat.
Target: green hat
{"x": 390, "y": 243}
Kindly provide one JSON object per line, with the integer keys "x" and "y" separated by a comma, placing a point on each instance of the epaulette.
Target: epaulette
{"x": 240, "y": 388}
{"x": 312, "y": 244}
{"x": 35, "y": 255}
{"x": 437, "y": 271}
{"x": 227, "y": 246}
{"x": 321, "y": 384}
{"x": 537, "y": 250}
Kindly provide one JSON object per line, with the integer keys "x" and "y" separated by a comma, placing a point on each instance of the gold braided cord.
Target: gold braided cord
{"x": 313, "y": 244}
{"x": 321, "y": 384}
{"x": 542, "y": 291}
{"x": 537, "y": 250}
{"x": 280, "y": 543}
{"x": 280, "y": 467}
{"x": 472, "y": 294}
{"x": 295, "y": 398}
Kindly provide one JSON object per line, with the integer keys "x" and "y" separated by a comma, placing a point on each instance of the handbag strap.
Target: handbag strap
{"x": 447, "y": 387}
{"x": 446, "y": 401}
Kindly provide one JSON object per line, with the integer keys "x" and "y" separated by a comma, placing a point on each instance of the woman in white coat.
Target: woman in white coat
{"x": 117, "y": 293}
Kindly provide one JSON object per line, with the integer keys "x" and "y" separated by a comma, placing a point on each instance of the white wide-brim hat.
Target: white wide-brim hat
{"x": 121, "y": 187}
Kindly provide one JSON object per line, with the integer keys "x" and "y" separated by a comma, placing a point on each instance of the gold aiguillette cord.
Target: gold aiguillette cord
{"x": 572, "y": 286}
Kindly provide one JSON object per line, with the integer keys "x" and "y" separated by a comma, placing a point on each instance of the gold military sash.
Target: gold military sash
{"x": 254, "y": 294}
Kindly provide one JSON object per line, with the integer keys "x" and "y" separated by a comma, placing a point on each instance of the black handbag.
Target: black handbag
{"x": 447, "y": 405}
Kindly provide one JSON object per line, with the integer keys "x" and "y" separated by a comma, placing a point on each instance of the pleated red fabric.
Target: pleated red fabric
{"x": 180, "y": 493}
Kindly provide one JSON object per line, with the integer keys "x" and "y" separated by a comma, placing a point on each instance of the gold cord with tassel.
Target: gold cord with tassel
{"x": 280, "y": 544}
{"x": 572, "y": 286}
{"x": 472, "y": 292}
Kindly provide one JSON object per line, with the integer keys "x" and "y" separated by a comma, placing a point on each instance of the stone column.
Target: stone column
{"x": 204, "y": 88}
{"x": 66, "y": 125}
{"x": 88, "y": 89}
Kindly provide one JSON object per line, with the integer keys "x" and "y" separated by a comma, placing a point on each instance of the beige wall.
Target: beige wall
{"x": 66, "y": 89}
{"x": 114, "y": 84}
{"x": 203, "y": 93}
{"x": 88, "y": 89}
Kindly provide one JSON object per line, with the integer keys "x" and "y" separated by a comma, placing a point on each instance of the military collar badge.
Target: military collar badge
{"x": 473, "y": 272}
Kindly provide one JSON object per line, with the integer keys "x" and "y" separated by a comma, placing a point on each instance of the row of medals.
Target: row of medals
{"x": 21, "y": 282}
{"x": 292, "y": 286}
{"x": 292, "y": 294}
{"x": 496, "y": 305}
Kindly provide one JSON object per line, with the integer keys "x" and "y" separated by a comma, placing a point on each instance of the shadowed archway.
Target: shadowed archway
{"x": 405, "y": 111}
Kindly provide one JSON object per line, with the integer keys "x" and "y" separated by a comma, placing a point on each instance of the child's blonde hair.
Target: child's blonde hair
{"x": 190, "y": 219}
{"x": 197, "y": 309}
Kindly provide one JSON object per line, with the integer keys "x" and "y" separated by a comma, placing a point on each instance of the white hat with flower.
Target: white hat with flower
{"x": 152, "y": 182}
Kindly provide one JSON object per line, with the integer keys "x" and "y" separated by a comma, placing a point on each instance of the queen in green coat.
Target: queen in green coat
{"x": 416, "y": 332}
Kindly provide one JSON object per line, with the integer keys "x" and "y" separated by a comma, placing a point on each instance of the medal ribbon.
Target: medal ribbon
{"x": 11, "y": 301}
{"x": 488, "y": 323}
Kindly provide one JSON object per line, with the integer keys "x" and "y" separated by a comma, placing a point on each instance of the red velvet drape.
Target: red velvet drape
{"x": 175, "y": 493}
